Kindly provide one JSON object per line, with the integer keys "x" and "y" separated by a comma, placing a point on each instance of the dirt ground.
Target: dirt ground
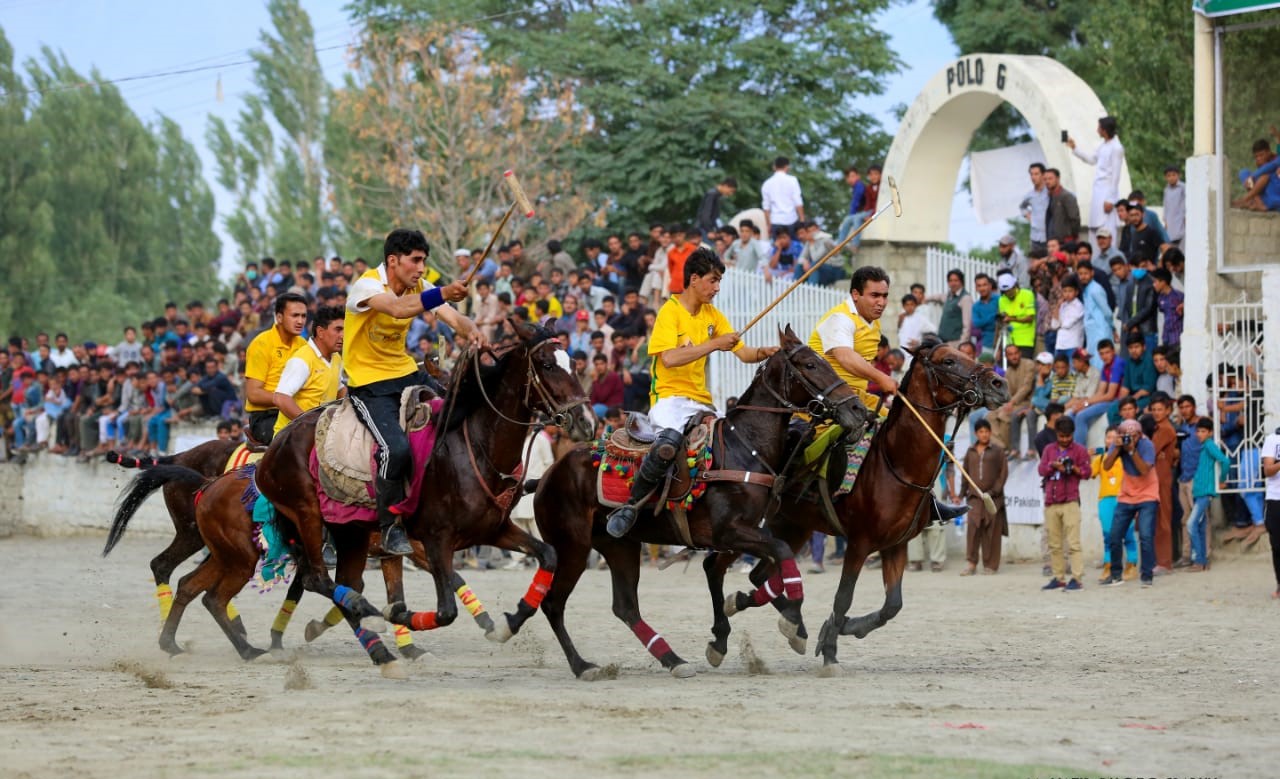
{"x": 982, "y": 676}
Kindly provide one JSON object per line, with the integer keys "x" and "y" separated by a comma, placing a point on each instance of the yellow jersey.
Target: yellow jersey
{"x": 553, "y": 309}
{"x": 676, "y": 327}
{"x": 310, "y": 380}
{"x": 1109, "y": 486}
{"x": 843, "y": 326}
{"x": 265, "y": 359}
{"x": 373, "y": 348}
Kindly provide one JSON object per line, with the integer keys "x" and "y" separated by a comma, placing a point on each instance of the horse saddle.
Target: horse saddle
{"x": 344, "y": 446}
{"x": 624, "y": 450}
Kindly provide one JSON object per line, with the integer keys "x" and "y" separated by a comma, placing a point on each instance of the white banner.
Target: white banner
{"x": 998, "y": 180}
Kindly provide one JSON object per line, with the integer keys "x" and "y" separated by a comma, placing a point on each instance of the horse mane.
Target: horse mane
{"x": 464, "y": 396}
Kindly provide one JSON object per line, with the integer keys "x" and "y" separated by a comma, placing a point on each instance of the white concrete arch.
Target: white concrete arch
{"x": 935, "y": 133}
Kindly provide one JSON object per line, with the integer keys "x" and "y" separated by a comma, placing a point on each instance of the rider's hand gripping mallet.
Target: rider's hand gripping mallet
{"x": 987, "y": 502}
{"x": 520, "y": 200}
{"x": 894, "y": 202}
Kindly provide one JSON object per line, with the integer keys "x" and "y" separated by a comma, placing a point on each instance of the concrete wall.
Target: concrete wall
{"x": 50, "y": 495}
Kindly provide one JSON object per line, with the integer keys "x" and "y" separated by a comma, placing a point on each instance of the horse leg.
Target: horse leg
{"x": 281, "y": 622}
{"x": 440, "y": 556}
{"x": 216, "y": 599}
{"x": 715, "y": 565}
{"x": 894, "y": 563}
{"x": 623, "y": 556}
{"x": 511, "y": 537}
{"x": 572, "y": 542}
{"x": 783, "y": 581}
{"x": 189, "y": 586}
{"x": 179, "y": 499}
{"x": 352, "y": 546}
{"x": 471, "y": 602}
{"x": 393, "y": 576}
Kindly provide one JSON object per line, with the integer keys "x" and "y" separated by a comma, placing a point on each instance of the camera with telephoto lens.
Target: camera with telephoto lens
{"x": 1066, "y": 463}
{"x": 1127, "y": 439}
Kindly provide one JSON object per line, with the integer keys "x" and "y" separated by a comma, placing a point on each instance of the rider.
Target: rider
{"x": 688, "y": 328}
{"x": 848, "y": 336}
{"x": 312, "y": 376}
{"x": 264, "y": 361}
{"x": 381, "y": 304}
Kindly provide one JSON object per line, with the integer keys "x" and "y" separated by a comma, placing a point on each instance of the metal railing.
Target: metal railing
{"x": 1235, "y": 398}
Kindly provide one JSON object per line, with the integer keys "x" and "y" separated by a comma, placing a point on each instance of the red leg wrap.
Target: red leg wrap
{"x": 538, "y": 589}
{"x": 423, "y": 620}
{"x": 652, "y": 640}
{"x": 766, "y": 592}
{"x": 791, "y": 582}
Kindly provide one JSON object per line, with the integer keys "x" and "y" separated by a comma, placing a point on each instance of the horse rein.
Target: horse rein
{"x": 558, "y": 412}
{"x": 818, "y": 406}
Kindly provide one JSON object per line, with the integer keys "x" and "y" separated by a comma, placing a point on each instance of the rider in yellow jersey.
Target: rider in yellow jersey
{"x": 380, "y": 307}
{"x": 313, "y": 375}
{"x": 848, "y": 336}
{"x": 687, "y": 329}
{"x": 265, "y": 359}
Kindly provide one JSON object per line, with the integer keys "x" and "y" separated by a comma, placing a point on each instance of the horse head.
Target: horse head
{"x": 803, "y": 379}
{"x": 552, "y": 389}
{"x": 949, "y": 379}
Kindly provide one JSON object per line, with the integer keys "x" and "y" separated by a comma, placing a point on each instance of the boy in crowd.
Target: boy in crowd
{"x": 1062, "y": 465}
{"x": 1204, "y": 489}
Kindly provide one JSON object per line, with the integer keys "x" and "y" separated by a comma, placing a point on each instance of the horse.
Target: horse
{"x": 464, "y": 502}
{"x": 750, "y": 446}
{"x": 889, "y": 504}
{"x": 211, "y": 459}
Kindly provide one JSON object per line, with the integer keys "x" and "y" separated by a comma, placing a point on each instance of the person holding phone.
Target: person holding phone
{"x": 1139, "y": 501}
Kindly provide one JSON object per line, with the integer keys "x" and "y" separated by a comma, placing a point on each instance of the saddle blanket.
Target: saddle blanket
{"x": 421, "y": 442}
{"x": 275, "y": 566}
{"x": 818, "y": 454}
{"x": 617, "y": 457}
{"x": 241, "y": 456}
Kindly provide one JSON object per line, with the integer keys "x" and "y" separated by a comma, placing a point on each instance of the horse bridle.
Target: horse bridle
{"x": 969, "y": 397}
{"x": 819, "y": 405}
{"x": 558, "y": 412}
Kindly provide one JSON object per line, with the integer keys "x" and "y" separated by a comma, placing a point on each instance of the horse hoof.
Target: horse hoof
{"x": 714, "y": 657}
{"x": 831, "y": 671}
{"x": 374, "y": 623}
{"x": 393, "y": 670}
{"x": 395, "y": 612}
{"x": 593, "y": 674}
{"x": 683, "y": 671}
{"x": 173, "y": 650}
{"x": 315, "y": 629}
{"x": 412, "y": 652}
{"x": 252, "y": 653}
{"x": 501, "y": 632}
{"x": 792, "y": 631}
{"x": 731, "y": 605}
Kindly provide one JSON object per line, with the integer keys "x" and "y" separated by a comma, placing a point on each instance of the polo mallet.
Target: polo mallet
{"x": 894, "y": 202}
{"x": 987, "y": 502}
{"x": 521, "y": 200}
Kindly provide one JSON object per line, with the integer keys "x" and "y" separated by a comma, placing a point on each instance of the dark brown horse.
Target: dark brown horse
{"x": 890, "y": 503}
{"x": 470, "y": 482}
{"x": 752, "y": 441}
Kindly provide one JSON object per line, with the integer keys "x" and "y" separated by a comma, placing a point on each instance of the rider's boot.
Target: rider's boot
{"x": 945, "y": 512}
{"x": 650, "y": 474}
{"x": 394, "y": 540}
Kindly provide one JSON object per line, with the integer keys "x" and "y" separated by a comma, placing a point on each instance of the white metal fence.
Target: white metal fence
{"x": 1236, "y": 399}
{"x": 937, "y": 263}
{"x": 742, "y": 296}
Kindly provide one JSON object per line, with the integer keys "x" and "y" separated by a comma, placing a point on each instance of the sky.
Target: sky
{"x": 124, "y": 38}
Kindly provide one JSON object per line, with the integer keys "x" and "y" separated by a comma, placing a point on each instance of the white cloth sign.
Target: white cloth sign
{"x": 998, "y": 180}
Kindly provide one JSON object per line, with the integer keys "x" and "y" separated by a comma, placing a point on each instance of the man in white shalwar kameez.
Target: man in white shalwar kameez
{"x": 1109, "y": 163}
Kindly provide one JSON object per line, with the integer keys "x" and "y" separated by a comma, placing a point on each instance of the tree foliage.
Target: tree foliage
{"x": 677, "y": 94}
{"x": 102, "y": 217}
{"x": 1138, "y": 58}
{"x": 424, "y": 127}
{"x": 273, "y": 164}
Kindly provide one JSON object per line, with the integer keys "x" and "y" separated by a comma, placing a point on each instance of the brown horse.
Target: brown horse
{"x": 750, "y": 453}
{"x": 890, "y": 503}
{"x": 470, "y": 482}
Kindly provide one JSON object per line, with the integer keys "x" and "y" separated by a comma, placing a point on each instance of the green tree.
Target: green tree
{"x": 679, "y": 93}
{"x": 274, "y": 163}
{"x": 102, "y": 218}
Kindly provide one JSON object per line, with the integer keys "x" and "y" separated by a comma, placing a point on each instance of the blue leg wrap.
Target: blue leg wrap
{"x": 345, "y": 597}
{"x": 367, "y": 638}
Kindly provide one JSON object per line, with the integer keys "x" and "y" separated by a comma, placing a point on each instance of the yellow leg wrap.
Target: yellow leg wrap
{"x": 165, "y": 596}
{"x": 284, "y": 615}
{"x": 469, "y": 600}
{"x": 403, "y": 637}
{"x": 333, "y": 617}
{"x": 231, "y": 611}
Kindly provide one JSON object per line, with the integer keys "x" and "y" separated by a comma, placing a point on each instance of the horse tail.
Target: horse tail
{"x": 125, "y": 461}
{"x": 143, "y": 485}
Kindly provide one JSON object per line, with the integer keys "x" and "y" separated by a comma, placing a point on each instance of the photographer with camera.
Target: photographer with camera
{"x": 1139, "y": 500}
{"x": 1062, "y": 465}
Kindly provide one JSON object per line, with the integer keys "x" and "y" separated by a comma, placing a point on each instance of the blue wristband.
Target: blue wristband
{"x": 431, "y": 298}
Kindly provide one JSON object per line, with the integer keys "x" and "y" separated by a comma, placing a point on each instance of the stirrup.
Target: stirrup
{"x": 622, "y": 520}
{"x": 945, "y": 512}
{"x": 395, "y": 541}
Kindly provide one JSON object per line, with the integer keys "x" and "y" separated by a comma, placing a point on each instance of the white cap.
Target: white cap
{"x": 1007, "y": 281}
{"x": 1044, "y": 358}
{"x": 461, "y": 252}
